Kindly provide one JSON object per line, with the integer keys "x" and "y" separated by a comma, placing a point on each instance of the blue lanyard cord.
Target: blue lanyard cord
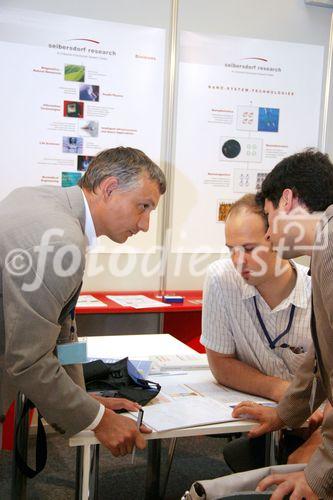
{"x": 272, "y": 343}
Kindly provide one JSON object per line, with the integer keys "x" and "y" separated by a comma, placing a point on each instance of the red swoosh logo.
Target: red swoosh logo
{"x": 256, "y": 58}
{"x": 83, "y": 40}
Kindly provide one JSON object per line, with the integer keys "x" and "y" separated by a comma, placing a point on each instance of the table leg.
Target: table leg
{"x": 171, "y": 453}
{"x": 85, "y": 472}
{"x": 78, "y": 474}
{"x": 19, "y": 480}
{"x": 153, "y": 470}
{"x": 82, "y": 473}
{"x": 94, "y": 469}
{"x": 270, "y": 445}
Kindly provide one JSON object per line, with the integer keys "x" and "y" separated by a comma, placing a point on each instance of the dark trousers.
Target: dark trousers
{"x": 244, "y": 454}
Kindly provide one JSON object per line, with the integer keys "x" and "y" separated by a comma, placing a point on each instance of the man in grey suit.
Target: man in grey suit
{"x": 295, "y": 194}
{"x": 44, "y": 235}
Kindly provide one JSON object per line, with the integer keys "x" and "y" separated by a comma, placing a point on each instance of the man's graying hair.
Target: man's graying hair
{"x": 126, "y": 164}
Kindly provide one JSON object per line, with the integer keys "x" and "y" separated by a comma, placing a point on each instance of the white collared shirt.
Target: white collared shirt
{"x": 230, "y": 324}
{"x": 90, "y": 233}
{"x": 89, "y": 228}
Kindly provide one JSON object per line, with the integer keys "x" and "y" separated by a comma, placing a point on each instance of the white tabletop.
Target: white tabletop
{"x": 135, "y": 346}
{"x": 140, "y": 346}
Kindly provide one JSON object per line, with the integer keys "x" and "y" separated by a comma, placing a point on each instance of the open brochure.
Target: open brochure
{"x": 179, "y": 406}
{"x": 188, "y": 412}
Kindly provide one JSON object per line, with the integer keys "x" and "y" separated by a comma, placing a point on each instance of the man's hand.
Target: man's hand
{"x": 119, "y": 434}
{"x": 268, "y": 417}
{"x": 315, "y": 420}
{"x": 117, "y": 403}
{"x": 293, "y": 483}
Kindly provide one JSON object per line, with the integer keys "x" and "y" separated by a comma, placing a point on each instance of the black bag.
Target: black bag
{"x": 119, "y": 380}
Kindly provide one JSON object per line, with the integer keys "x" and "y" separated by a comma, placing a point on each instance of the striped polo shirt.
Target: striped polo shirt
{"x": 230, "y": 324}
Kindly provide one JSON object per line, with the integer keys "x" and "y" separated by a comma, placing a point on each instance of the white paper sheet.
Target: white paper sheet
{"x": 188, "y": 412}
{"x": 136, "y": 301}
{"x": 225, "y": 394}
{"x": 89, "y": 301}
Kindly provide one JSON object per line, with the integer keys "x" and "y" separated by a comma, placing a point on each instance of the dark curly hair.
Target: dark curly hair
{"x": 310, "y": 176}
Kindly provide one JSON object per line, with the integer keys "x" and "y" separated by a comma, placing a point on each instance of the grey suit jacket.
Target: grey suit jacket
{"x": 294, "y": 408}
{"x": 42, "y": 249}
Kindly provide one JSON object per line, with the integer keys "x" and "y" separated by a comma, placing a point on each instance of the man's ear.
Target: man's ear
{"x": 288, "y": 200}
{"x": 107, "y": 186}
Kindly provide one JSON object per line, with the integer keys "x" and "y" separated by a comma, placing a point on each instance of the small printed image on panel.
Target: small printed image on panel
{"x": 83, "y": 162}
{"x": 73, "y": 109}
{"x": 268, "y": 120}
{"x": 223, "y": 210}
{"x": 240, "y": 149}
{"x": 247, "y": 118}
{"x": 74, "y": 73}
{"x": 89, "y": 92}
{"x": 231, "y": 148}
{"x": 72, "y": 145}
{"x": 260, "y": 179}
{"x": 88, "y": 128}
{"x": 69, "y": 179}
{"x": 244, "y": 180}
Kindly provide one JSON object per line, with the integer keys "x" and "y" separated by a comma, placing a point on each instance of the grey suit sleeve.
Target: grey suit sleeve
{"x": 319, "y": 471}
{"x": 32, "y": 330}
{"x": 294, "y": 408}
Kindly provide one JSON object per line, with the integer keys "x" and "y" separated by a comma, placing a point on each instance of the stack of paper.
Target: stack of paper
{"x": 191, "y": 361}
{"x": 191, "y": 411}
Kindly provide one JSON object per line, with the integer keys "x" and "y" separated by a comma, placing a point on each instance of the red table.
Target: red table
{"x": 182, "y": 320}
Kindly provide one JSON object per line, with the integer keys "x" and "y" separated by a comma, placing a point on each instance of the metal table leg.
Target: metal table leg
{"x": 153, "y": 470}
{"x": 94, "y": 469}
{"x": 82, "y": 480}
{"x": 78, "y": 473}
{"x": 19, "y": 480}
{"x": 171, "y": 453}
{"x": 270, "y": 445}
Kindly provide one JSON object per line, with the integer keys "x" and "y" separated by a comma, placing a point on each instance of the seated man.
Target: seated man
{"x": 256, "y": 314}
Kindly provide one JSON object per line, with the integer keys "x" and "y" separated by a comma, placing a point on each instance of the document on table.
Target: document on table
{"x": 225, "y": 394}
{"x": 137, "y": 301}
{"x": 89, "y": 301}
{"x": 190, "y": 411}
{"x": 168, "y": 362}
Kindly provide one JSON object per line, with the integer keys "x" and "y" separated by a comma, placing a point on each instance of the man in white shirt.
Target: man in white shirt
{"x": 256, "y": 309}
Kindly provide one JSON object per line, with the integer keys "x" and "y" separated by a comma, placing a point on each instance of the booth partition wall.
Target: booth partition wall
{"x": 216, "y": 92}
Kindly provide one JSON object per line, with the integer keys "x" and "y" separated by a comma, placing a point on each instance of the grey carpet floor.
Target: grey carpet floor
{"x": 195, "y": 458}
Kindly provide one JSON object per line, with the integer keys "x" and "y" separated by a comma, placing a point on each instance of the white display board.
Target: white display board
{"x": 243, "y": 105}
{"x": 70, "y": 88}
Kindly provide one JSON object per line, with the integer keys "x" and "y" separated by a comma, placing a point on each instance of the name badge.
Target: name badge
{"x": 72, "y": 353}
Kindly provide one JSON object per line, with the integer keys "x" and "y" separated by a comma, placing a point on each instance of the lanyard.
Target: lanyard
{"x": 272, "y": 343}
